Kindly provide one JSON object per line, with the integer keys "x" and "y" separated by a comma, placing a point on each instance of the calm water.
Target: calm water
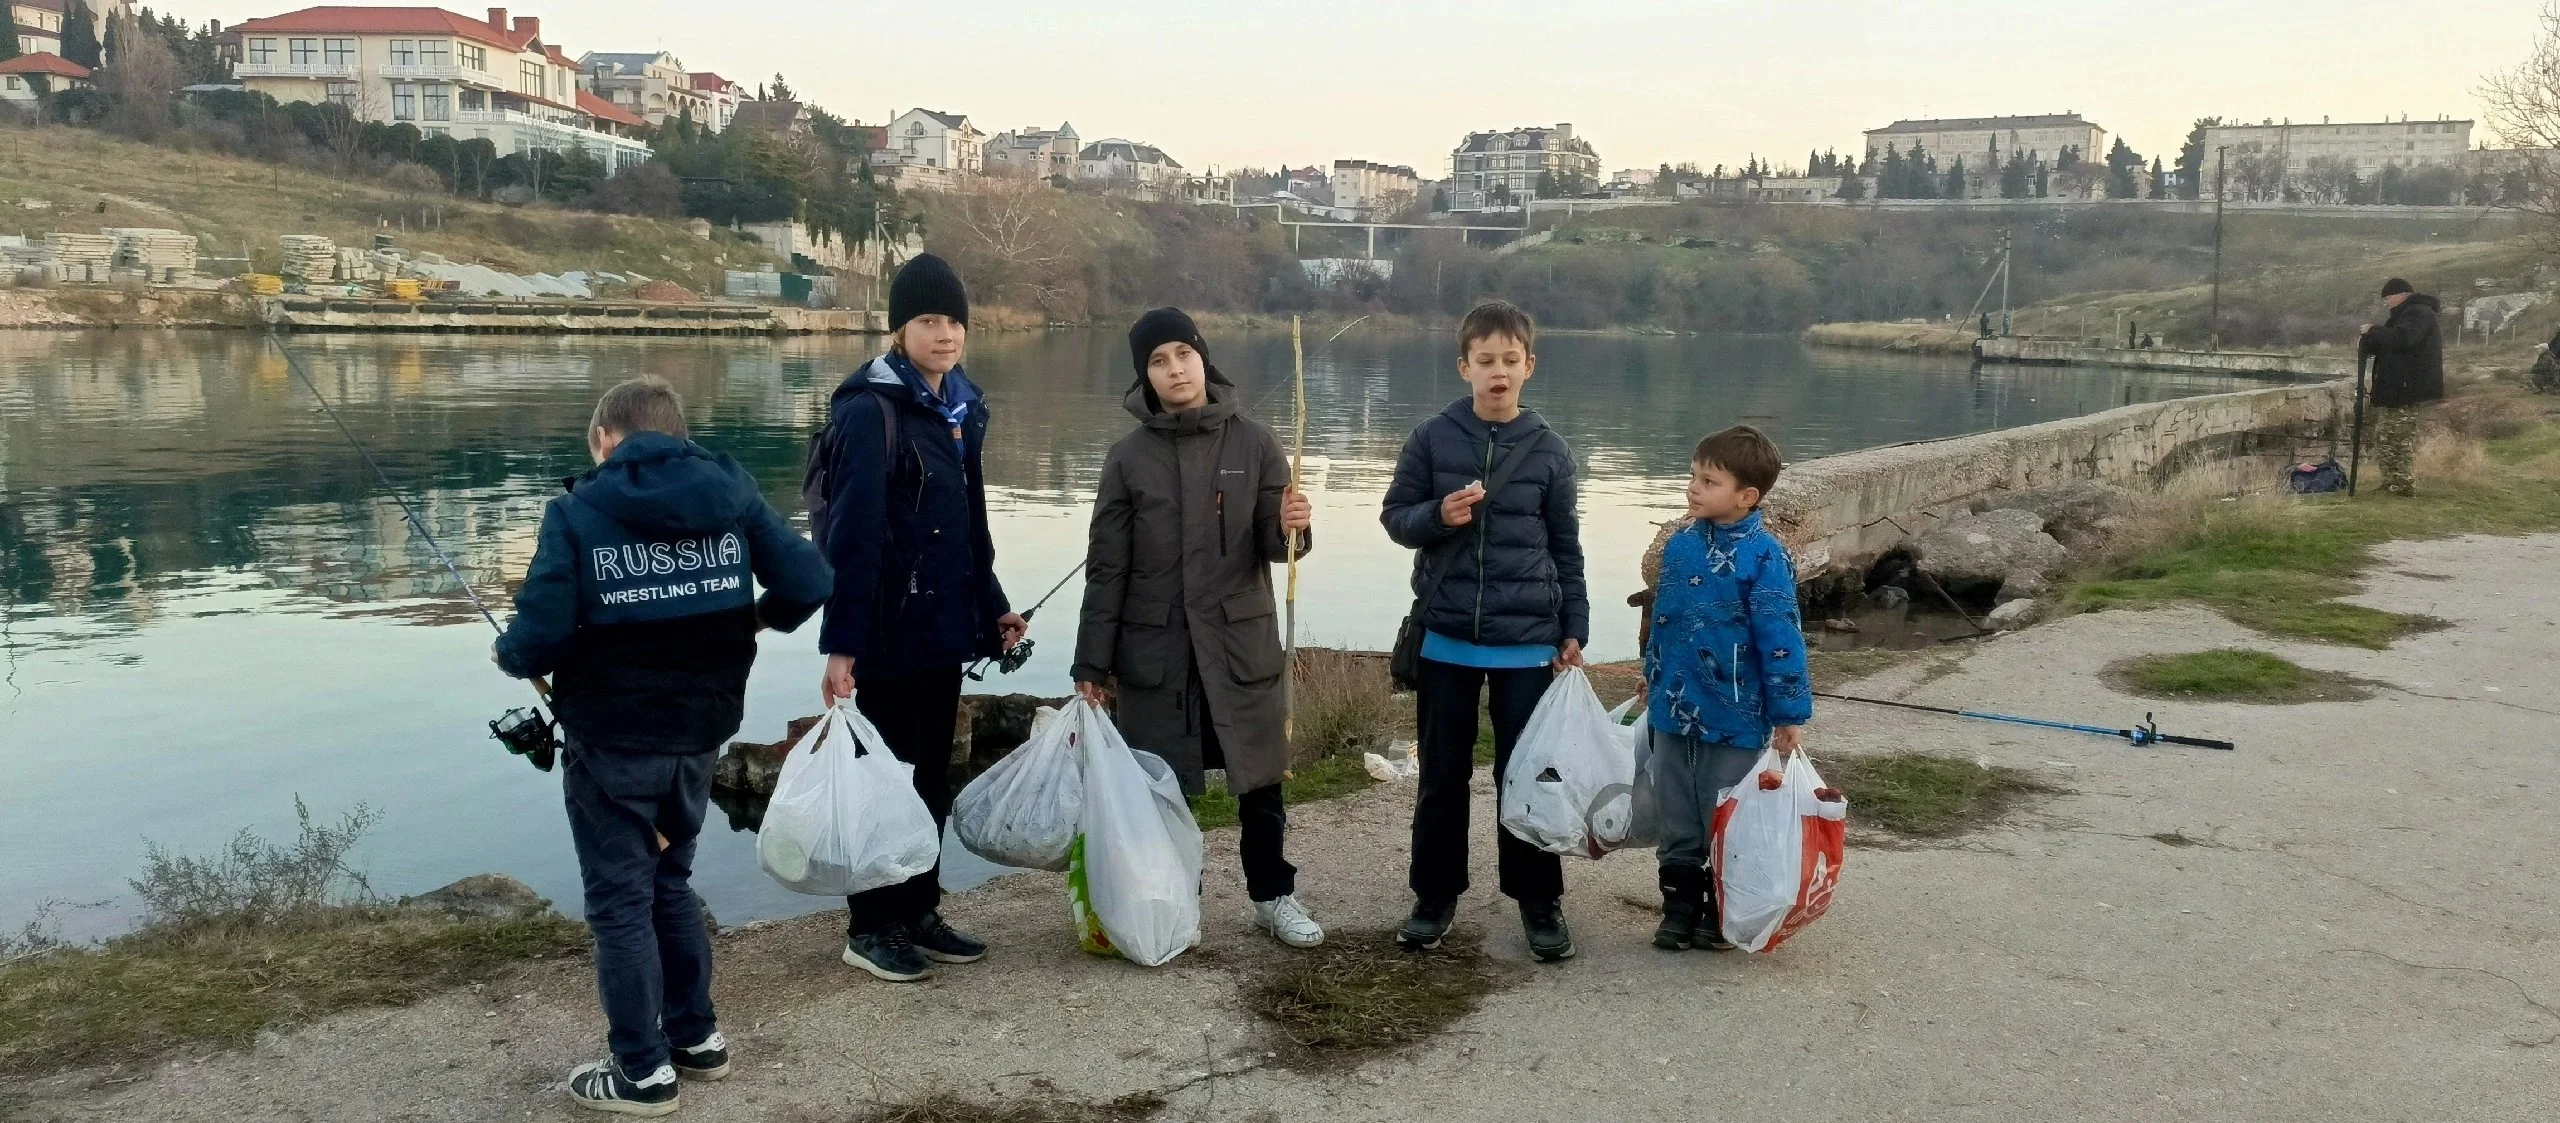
{"x": 212, "y": 609}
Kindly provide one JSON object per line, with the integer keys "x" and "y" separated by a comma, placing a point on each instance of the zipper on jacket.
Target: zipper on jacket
{"x": 1484, "y": 528}
{"x": 1222, "y": 522}
{"x": 1737, "y": 675}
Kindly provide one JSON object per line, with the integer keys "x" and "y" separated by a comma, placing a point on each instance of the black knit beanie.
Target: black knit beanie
{"x": 2395, "y": 286}
{"x": 1157, "y": 328}
{"x": 926, "y": 286}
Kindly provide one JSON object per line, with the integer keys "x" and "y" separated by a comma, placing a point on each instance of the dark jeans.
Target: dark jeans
{"x": 1445, "y": 722}
{"x": 916, "y": 714}
{"x": 653, "y": 952}
{"x": 1261, "y": 818}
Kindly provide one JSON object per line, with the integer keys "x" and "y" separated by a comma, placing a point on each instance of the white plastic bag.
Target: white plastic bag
{"x": 1026, "y": 810}
{"x": 845, "y": 815}
{"x": 1777, "y": 851}
{"x": 1629, "y": 818}
{"x": 1133, "y": 876}
{"x": 1573, "y": 764}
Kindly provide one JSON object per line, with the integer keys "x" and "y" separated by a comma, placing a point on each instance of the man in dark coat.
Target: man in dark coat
{"x": 1194, "y": 510}
{"x": 904, "y": 523}
{"x": 1512, "y": 608}
{"x": 2408, "y": 372}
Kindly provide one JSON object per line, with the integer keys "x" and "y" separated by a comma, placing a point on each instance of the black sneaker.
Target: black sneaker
{"x": 1549, "y": 939}
{"x": 889, "y": 954}
{"x": 942, "y": 943}
{"x": 601, "y": 1086}
{"x": 707, "y": 1061}
{"x": 1428, "y": 925}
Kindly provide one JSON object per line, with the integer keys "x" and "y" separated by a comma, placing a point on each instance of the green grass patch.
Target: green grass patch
{"x": 2278, "y": 566}
{"x": 1360, "y": 994}
{"x": 257, "y": 936}
{"x": 1922, "y": 795}
{"x": 2230, "y": 675}
{"x": 1329, "y": 777}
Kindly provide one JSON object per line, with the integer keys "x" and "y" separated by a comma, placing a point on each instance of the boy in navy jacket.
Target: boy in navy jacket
{"x": 640, "y": 604}
{"x": 1725, "y": 665}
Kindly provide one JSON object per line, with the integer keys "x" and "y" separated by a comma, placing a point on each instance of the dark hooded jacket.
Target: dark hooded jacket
{"x": 906, "y": 529}
{"x": 1517, "y": 576}
{"x": 639, "y": 602}
{"x": 2408, "y": 354}
{"x": 1178, "y": 603}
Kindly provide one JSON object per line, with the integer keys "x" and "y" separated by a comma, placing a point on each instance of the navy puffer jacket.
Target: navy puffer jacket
{"x": 1518, "y": 566}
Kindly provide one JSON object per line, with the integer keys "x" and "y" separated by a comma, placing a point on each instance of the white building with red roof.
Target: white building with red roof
{"x": 724, "y": 96}
{"x": 19, "y": 77}
{"x": 497, "y": 78}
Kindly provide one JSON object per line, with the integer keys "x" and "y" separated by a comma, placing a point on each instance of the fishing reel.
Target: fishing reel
{"x": 526, "y": 732}
{"x": 1009, "y": 662}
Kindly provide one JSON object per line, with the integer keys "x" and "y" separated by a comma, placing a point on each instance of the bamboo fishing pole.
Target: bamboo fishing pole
{"x": 1297, "y": 465}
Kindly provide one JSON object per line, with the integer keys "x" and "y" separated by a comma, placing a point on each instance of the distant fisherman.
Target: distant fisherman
{"x": 637, "y": 603}
{"x": 2408, "y": 372}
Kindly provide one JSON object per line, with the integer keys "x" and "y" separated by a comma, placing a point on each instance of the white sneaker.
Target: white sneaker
{"x": 1287, "y": 920}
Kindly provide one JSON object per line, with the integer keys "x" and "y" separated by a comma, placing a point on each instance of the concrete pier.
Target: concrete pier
{"x": 312, "y": 313}
{"x": 2061, "y": 352}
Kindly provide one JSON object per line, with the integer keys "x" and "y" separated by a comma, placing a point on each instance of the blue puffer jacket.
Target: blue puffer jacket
{"x": 1726, "y": 659}
{"x": 638, "y": 602}
{"x": 1518, "y": 576}
{"x": 906, "y": 529}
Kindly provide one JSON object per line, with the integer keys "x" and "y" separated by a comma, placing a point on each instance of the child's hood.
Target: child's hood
{"x": 666, "y": 487}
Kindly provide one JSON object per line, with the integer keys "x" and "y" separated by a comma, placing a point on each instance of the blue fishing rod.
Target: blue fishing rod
{"x": 2146, "y": 734}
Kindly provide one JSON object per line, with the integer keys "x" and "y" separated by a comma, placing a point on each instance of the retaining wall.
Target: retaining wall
{"x": 552, "y": 317}
{"x": 1841, "y": 513}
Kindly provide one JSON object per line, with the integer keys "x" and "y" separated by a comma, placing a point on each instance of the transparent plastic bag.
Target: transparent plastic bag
{"x": 845, "y": 816}
{"x": 1625, "y": 817}
{"x": 1025, "y": 811}
{"x": 1777, "y": 851}
{"x": 1570, "y": 787}
{"x": 1133, "y": 874}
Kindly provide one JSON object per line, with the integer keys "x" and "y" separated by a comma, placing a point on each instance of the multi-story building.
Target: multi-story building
{"x": 1126, "y": 166}
{"x": 1373, "y": 187}
{"x": 723, "y": 95}
{"x": 2366, "y": 146}
{"x": 1039, "y": 153}
{"x": 38, "y": 26}
{"x": 1510, "y": 168}
{"x": 934, "y": 139}
{"x": 656, "y": 86}
{"x": 449, "y": 75}
{"x": 1988, "y": 142}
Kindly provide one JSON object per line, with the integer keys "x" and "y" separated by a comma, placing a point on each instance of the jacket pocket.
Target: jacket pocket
{"x": 1147, "y": 644}
{"x": 1253, "y": 644}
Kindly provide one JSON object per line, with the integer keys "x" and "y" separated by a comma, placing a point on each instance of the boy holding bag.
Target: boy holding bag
{"x": 1725, "y": 665}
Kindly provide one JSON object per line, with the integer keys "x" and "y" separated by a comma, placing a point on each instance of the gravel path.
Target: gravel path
{"x": 2351, "y": 917}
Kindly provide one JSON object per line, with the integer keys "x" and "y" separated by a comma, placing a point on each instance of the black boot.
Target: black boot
{"x": 1543, "y": 922}
{"x": 1711, "y": 917}
{"x": 1684, "y": 902}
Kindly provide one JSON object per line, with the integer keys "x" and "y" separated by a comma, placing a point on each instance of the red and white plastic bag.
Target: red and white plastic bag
{"x": 1776, "y": 848}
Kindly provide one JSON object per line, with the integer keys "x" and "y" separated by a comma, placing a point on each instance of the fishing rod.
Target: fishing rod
{"x": 527, "y": 732}
{"x": 2355, "y": 446}
{"x": 1020, "y": 653}
{"x": 2147, "y": 733}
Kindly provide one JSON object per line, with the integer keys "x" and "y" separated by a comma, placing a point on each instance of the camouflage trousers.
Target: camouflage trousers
{"x": 2395, "y": 448}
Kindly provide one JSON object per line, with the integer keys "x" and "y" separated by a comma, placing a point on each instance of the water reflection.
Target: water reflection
{"x": 211, "y": 606}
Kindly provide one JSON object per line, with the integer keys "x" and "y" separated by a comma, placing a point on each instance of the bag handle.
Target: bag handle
{"x": 1502, "y": 473}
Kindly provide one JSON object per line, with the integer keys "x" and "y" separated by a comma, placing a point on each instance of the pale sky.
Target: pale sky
{"x": 1312, "y": 81}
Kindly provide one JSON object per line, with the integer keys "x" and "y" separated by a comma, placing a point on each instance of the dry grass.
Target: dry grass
{"x": 1346, "y": 704}
{"x": 1361, "y": 994}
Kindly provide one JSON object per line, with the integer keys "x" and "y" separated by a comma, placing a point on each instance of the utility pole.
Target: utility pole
{"x": 2004, "y": 277}
{"x": 2213, "y": 326}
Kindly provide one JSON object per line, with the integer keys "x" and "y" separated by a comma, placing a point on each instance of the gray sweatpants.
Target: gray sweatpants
{"x": 1687, "y": 774}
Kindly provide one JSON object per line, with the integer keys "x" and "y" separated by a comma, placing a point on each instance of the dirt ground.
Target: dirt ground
{"x": 2351, "y": 917}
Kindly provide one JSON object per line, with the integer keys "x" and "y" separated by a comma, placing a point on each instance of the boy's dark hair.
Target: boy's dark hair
{"x": 1496, "y": 317}
{"x": 1744, "y": 451}
{"x": 643, "y": 405}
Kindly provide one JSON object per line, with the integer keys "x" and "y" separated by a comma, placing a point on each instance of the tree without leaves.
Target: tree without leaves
{"x": 142, "y": 83}
{"x": 2523, "y": 107}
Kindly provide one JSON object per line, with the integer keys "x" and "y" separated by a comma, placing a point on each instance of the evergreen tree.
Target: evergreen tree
{"x": 1956, "y": 186}
{"x": 781, "y": 89}
{"x": 8, "y": 44}
{"x": 1852, "y": 188}
{"x": 2191, "y": 159}
{"x": 2013, "y": 176}
{"x": 80, "y": 35}
{"x": 2067, "y": 159}
{"x": 1889, "y": 174}
{"x": 2122, "y": 164}
{"x": 2044, "y": 178}
{"x": 1812, "y": 162}
{"x": 2159, "y": 180}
